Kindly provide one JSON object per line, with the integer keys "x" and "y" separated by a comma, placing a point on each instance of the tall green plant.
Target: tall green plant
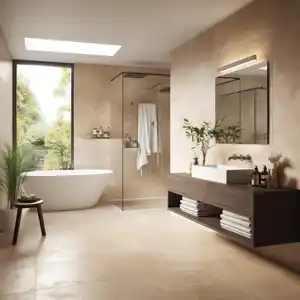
{"x": 201, "y": 136}
{"x": 14, "y": 165}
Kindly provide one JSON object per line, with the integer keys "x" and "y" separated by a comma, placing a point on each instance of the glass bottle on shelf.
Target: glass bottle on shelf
{"x": 127, "y": 141}
{"x": 94, "y": 133}
{"x": 134, "y": 143}
{"x": 106, "y": 133}
{"x": 100, "y": 133}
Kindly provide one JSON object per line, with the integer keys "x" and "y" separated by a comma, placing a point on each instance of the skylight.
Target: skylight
{"x": 45, "y": 45}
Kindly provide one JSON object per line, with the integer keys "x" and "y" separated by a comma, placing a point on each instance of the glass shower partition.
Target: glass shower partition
{"x": 146, "y": 140}
{"x": 116, "y": 150}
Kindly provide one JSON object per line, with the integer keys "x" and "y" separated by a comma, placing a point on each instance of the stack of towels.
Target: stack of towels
{"x": 197, "y": 208}
{"x": 236, "y": 223}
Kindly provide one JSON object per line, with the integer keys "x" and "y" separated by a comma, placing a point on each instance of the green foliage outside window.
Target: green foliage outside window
{"x": 51, "y": 144}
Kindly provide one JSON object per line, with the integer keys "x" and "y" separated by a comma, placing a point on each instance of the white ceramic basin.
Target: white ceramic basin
{"x": 222, "y": 173}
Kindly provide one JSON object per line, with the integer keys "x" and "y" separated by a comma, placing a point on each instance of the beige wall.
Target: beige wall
{"x": 270, "y": 29}
{"x": 99, "y": 102}
{"x": 5, "y": 95}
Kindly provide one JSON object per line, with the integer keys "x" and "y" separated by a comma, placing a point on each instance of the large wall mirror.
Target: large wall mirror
{"x": 242, "y": 101}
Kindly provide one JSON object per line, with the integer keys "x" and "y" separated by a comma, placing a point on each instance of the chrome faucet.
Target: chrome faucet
{"x": 240, "y": 157}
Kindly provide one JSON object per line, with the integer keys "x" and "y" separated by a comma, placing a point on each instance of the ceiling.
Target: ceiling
{"x": 147, "y": 29}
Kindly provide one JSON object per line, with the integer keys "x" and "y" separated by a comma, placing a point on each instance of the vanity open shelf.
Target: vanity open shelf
{"x": 275, "y": 213}
{"x": 214, "y": 224}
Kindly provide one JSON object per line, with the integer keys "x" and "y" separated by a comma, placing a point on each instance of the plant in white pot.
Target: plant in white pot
{"x": 14, "y": 165}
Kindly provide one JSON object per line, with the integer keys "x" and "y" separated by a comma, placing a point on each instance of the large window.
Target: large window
{"x": 43, "y": 112}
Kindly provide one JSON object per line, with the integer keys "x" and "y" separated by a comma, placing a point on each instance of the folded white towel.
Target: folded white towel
{"x": 236, "y": 226}
{"x": 190, "y": 200}
{"x": 201, "y": 213}
{"x": 189, "y": 203}
{"x": 246, "y": 235}
{"x": 197, "y": 209}
{"x": 190, "y": 208}
{"x": 231, "y": 214}
{"x": 236, "y": 221}
{"x": 195, "y": 214}
{"x": 192, "y": 205}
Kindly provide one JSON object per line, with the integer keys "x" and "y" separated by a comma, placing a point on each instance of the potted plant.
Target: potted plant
{"x": 203, "y": 135}
{"x": 14, "y": 165}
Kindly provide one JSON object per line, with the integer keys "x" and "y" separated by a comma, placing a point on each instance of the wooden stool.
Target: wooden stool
{"x": 20, "y": 206}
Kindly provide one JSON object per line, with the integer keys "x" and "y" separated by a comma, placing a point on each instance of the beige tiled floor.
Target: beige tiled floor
{"x": 155, "y": 203}
{"x": 103, "y": 253}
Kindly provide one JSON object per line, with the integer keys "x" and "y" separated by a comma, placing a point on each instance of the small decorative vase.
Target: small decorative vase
{"x": 275, "y": 183}
{"x": 196, "y": 162}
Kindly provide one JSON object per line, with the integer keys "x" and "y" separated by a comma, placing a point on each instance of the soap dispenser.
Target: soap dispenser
{"x": 256, "y": 177}
{"x": 264, "y": 177}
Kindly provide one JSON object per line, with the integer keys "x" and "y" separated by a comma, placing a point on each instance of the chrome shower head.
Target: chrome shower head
{"x": 134, "y": 75}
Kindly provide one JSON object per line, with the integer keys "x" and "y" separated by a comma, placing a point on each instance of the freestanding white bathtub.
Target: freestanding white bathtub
{"x": 67, "y": 189}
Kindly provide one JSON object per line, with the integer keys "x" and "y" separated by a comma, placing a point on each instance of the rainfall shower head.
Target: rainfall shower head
{"x": 134, "y": 75}
{"x": 160, "y": 88}
{"x": 137, "y": 75}
{"x": 166, "y": 89}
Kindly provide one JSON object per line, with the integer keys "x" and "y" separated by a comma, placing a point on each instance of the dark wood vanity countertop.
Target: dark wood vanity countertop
{"x": 238, "y": 198}
{"x": 244, "y": 187}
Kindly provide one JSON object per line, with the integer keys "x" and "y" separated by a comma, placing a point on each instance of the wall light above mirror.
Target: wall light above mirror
{"x": 239, "y": 64}
{"x": 242, "y": 101}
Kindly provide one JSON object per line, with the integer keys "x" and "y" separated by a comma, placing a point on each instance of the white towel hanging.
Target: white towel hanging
{"x": 148, "y": 136}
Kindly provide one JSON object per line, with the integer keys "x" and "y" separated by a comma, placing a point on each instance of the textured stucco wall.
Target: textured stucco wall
{"x": 5, "y": 92}
{"x": 270, "y": 29}
{"x": 5, "y": 96}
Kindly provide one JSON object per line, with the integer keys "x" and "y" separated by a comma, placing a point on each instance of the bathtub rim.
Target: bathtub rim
{"x": 69, "y": 173}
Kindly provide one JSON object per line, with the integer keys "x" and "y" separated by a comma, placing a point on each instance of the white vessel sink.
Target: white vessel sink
{"x": 222, "y": 173}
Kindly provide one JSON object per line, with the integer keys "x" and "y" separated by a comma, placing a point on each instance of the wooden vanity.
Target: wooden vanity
{"x": 275, "y": 213}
